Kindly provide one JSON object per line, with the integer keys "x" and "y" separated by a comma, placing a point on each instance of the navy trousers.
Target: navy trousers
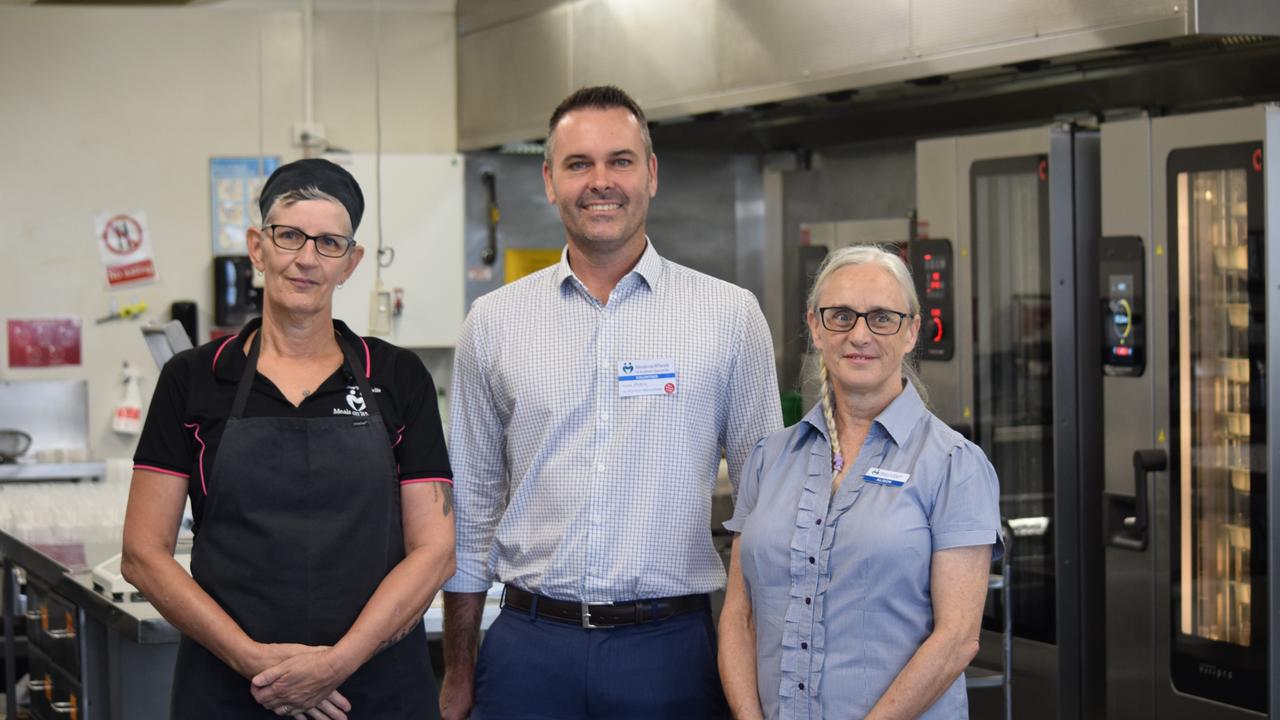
{"x": 531, "y": 668}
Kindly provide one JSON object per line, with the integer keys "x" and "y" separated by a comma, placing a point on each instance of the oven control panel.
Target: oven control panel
{"x": 1124, "y": 328}
{"x": 933, "y": 268}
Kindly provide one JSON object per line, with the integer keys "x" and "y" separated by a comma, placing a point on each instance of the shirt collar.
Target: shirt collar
{"x": 648, "y": 268}
{"x": 229, "y": 358}
{"x": 898, "y": 419}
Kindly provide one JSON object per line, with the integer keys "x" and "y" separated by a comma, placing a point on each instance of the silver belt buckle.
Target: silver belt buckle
{"x": 586, "y": 617}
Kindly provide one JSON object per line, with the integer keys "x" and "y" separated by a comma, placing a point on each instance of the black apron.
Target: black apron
{"x": 301, "y": 524}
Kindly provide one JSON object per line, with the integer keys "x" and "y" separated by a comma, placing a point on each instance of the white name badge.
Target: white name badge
{"x": 646, "y": 377}
{"x": 890, "y": 478}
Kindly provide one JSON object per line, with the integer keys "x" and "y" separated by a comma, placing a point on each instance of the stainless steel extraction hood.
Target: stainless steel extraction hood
{"x": 690, "y": 58}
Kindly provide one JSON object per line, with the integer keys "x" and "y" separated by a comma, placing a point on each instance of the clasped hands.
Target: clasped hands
{"x": 300, "y": 681}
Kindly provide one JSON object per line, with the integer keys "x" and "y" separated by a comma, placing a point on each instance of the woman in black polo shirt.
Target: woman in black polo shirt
{"x": 319, "y": 483}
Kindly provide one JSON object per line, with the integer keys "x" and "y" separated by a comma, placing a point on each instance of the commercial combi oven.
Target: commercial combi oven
{"x": 1101, "y": 310}
{"x": 1191, "y": 205}
{"x": 1007, "y": 292}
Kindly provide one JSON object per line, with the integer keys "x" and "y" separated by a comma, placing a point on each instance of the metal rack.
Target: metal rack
{"x": 975, "y": 677}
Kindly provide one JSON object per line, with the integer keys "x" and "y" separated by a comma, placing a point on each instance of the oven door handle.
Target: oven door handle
{"x": 1134, "y": 535}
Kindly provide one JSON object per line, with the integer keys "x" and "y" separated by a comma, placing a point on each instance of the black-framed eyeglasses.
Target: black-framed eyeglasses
{"x": 288, "y": 237}
{"x": 879, "y": 321}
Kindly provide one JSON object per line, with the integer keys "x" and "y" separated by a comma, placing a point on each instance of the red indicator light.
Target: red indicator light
{"x": 936, "y": 315}
{"x": 928, "y": 256}
{"x": 1043, "y": 170}
{"x": 937, "y": 275}
{"x": 1122, "y": 351}
{"x": 1257, "y": 160}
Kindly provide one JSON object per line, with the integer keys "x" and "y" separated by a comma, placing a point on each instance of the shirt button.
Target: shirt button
{"x": 808, "y": 601}
{"x": 600, "y": 467}
{"x": 604, "y": 417}
{"x": 801, "y": 686}
{"x": 811, "y": 561}
{"x": 819, "y": 521}
{"x": 804, "y": 646}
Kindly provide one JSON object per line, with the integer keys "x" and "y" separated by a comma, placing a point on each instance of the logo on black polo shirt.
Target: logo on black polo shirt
{"x": 354, "y": 400}
{"x": 355, "y": 403}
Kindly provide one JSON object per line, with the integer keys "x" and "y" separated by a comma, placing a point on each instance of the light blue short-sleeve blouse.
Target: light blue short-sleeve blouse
{"x": 839, "y": 586}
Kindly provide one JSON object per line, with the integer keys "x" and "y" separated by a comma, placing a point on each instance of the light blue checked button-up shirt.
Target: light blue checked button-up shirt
{"x": 568, "y": 489}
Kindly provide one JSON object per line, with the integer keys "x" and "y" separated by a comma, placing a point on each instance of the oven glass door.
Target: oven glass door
{"x": 1013, "y": 393}
{"x": 1218, "y": 357}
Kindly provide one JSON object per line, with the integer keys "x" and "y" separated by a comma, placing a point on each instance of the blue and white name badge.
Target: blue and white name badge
{"x": 646, "y": 377}
{"x": 887, "y": 478}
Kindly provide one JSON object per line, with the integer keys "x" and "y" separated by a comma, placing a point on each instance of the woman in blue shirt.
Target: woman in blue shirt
{"x": 858, "y": 579}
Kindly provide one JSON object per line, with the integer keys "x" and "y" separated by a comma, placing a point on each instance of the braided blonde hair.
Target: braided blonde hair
{"x": 891, "y": 262}
{"x": 829, "y": 413}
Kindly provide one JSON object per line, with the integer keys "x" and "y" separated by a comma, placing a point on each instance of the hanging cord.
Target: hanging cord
{"x": 386, "y": 255}
{"x": 261, "y": 114}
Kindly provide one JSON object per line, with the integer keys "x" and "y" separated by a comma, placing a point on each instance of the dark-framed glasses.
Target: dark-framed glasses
{"x": 288, "y": 237}
{"x": 879, "y": 321}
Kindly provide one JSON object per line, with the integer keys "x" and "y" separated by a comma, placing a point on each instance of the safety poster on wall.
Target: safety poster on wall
{"x": 124, "y": 245}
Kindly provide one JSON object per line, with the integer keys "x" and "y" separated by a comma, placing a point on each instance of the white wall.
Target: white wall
{"x": 119, "y": 109}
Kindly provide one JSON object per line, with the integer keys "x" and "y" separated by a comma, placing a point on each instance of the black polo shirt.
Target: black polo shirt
{"x": 197, "y": 388}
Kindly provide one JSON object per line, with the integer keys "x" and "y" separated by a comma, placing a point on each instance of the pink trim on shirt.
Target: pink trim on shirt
{"x": 425, "y": 480}
{"x": 215, "y": 355}
{"x": 367, "y": 365}
{"x": 160, "y": 470}
{"x": 399, "y": 436}
{"x": 196, "y": 432}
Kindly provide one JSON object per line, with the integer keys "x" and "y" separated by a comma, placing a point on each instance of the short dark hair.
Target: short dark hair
{"x": 599, "y": 97}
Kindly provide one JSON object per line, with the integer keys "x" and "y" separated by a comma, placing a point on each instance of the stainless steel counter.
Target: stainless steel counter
{"x": 64, "y": 566}
{"x": 125, "y": 649}
{"x": 85, "y": 653}
{"x": 43, "y": 472}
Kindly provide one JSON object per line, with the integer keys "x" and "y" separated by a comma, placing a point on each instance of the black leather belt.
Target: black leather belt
{"x": 603, "y": 616}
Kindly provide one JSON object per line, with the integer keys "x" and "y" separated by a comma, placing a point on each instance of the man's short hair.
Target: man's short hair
{"x": 599, "y": 97}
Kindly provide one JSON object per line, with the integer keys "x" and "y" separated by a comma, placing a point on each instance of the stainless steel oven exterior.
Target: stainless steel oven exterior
{"x": 1163, "y": 659}
{"x": 1021, "y": 211}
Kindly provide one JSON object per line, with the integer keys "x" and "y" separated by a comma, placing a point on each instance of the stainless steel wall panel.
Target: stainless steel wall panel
{"x": 693, "y": 220}
{"x": 749, "y": 228}
{"x": 511, "y": 76}
{"x": 637, "y": 46}
{"x": 866, "y": 182}
{"x": 55, "y": 413}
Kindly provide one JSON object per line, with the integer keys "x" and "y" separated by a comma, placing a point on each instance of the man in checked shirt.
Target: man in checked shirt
{"x": 591, "y": 404}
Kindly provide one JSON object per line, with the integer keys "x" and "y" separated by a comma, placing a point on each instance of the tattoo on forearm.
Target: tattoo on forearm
{"x": 397, "y": 637}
